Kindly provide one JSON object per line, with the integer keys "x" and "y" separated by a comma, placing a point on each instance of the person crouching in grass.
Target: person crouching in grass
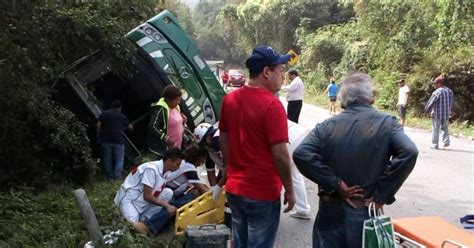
{"x": 143, "y": 194}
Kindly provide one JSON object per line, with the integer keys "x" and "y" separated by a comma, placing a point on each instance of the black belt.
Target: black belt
{"x": 359, "y": 203}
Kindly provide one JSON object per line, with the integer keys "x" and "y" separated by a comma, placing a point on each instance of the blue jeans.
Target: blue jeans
{"x": 338, "y": 225}
{"x": 162, "y": 219}
{"x": 159, "y": 221}
{"x": 112, "y": 155}
{"x": 437, "y": 126}
{"x": 254, "y": 223}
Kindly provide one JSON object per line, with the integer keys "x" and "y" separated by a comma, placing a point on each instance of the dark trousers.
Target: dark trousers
{"x": 112, "y": 156}
{"x": 294, "y": 110}
{"x": 338, "y": 225}
{"x": 161, "y": 220}
{"x": 254, "y": 223}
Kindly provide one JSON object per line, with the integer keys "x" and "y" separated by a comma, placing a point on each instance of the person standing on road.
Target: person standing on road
{"x": 253, "y": 136}
{"x": 403, "y": 94}
{"x": 166, "y": 126}
{"x": 357, "y": 157}
{"x": 110, "y": 126}
{"x": 440, "y": 105}
{"x": 225, "y": 79}
{"x": 296, "y": 134}
{"x": 332, "y": 94}
{"x": 295, "y": 94}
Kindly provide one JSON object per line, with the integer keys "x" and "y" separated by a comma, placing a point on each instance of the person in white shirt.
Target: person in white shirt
{"x": 296, "y": 134}
{"x": 186, "y": 178}
{"x": 143, "y": 193}
{"x": 294, "y": 96}
{"x": 403, "y": 94}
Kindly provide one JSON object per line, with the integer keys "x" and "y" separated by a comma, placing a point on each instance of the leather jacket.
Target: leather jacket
{"x": 360, "y": 146}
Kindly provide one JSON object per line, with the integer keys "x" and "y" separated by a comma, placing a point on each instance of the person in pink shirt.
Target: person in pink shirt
{"x": 166, "y": 126}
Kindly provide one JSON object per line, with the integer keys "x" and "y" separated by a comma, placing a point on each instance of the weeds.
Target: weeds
{"x": 52, "y": 218}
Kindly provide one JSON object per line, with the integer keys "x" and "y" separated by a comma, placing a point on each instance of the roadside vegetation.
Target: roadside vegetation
{"x": 390, "y": 40}
{"x": 51, "y": 218}
{"x": 45, "y": 152}
{"x": 457, "y": 128}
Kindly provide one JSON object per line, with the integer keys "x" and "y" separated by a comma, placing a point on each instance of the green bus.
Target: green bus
{"x": 165, "y": 55}
{"x": 170, "y": 47}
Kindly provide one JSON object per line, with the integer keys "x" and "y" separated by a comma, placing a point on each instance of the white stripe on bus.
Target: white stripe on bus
{"x": 143, "y": 41}
{"x": 199, "y": 119}
{"x": 156, "y": 54}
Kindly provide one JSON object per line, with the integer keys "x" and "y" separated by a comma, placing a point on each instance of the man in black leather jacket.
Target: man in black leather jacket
{"x": 357, "y": 157}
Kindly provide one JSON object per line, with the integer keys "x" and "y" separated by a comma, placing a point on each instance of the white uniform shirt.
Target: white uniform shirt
{"x": 295, "y": 90}
{"x": 177, "y": 178}
{"x": 131, "y": 191}
{"x": 402, "y": 95}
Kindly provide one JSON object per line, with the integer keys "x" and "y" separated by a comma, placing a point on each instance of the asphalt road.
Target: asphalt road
{"x": 441, "y": 184}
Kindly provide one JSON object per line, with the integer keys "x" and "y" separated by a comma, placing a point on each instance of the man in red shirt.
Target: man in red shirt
{"x": 225, "y": 79}
{"x": 254, "y": 133}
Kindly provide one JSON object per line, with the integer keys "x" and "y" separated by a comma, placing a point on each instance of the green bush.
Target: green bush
{"x": 42, "y": 142}
{"x": 391, "y": 40}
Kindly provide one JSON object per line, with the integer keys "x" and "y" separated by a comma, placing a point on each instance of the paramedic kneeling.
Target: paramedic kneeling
{"x": 143, "y": 193}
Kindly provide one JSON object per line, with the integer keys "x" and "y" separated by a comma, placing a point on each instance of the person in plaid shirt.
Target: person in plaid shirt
{"x": 440, "y": 105}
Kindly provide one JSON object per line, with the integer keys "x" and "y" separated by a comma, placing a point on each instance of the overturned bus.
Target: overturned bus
{"x": 165, "y": 55}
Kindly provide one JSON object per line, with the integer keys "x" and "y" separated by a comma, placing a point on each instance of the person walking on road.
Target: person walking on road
{"x": 439, "y": 106}
{"x": 403, "y": 94}
{"x": 357, "y": 157}
{"x": 332, "y": 94}
{"x": 110, "y": 126}
{"x": 295, "y": 94}
{"x": 253, "y": 136}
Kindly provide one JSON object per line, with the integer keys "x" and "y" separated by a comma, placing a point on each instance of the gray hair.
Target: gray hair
{"x": 356, "y": 87}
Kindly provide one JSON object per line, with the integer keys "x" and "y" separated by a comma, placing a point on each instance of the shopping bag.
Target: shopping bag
{"x": 378, "y": 230}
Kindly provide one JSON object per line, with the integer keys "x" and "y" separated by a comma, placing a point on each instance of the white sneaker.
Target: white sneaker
{"x": 299, "y": 215}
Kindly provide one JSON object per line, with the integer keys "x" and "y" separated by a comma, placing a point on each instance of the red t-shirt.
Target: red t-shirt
{"x": 225, "y": 77}
{"x": 254, "y": 120}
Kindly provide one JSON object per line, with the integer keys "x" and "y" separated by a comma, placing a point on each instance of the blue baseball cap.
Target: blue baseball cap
{"x": 264, "y": 56}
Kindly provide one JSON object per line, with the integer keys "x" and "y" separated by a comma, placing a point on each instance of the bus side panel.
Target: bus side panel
{"x": 172, "y": 30}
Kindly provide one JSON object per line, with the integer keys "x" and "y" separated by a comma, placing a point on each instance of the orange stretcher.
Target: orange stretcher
{"x": 431, "y": 232}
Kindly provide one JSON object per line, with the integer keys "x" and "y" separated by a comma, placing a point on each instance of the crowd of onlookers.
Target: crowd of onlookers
{"x": 358, "y": 157}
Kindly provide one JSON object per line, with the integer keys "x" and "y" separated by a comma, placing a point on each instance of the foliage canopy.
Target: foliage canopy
{"x": 414, "y": 40}
{"x": 41, "y": 141}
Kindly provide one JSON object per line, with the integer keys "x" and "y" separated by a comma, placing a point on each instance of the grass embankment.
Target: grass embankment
{"x": 458, "y": 129}
{"x": 52, "y": 218}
